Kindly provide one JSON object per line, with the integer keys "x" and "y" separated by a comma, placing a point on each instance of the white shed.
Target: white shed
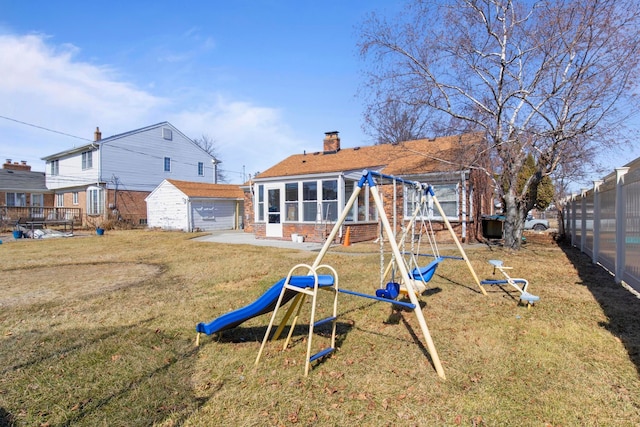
{"x": 193, "y": 206}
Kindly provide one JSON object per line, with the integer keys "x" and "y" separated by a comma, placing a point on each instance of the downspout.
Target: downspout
{"x": 189, "y": 216}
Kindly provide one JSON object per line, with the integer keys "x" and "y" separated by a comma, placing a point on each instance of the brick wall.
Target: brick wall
{"x": 248, "y": 219}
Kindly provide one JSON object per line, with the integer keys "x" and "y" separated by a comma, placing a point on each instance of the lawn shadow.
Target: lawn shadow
{"x": 6, "y": 419}
{"x": 621, "y": 307}
{"x": 256, "y": 333}
{"x": 147, "y": 381}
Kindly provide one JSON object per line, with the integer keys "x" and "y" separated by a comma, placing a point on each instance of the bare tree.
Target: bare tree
{"x": 550, "y": 78}
{"x": 208, "y": 144}
{"x": 392, "y": 121}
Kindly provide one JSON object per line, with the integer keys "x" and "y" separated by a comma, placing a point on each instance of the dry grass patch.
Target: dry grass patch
{"x": 101, "y": 331}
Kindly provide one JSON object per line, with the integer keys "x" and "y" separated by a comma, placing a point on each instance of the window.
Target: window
{"x": 330, "y": 200}
{"x": 167, "y": 134}
{"x": 412, "y": 202}
{"x": 260, "y": 202}
{"x": 87, "y": 160}
{"x": 74, "y": 196}
{"x": 291, "y": 201}
{"x": 200, "y": 169}
{"x": 167, "y": 164}
{"x": 95, "y": 201}
{"x": 59, "y": 200}
{"x": 447, "y": 195}
{"x": 309, "y": 201}
{"x": 16, "y": 199}
{"x": 363, "y": 209}
{"x": 55, "y": 168}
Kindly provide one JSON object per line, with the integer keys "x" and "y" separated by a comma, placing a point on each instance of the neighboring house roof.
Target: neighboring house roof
{"x": 94, "y": 144}
{"x": 406, "y": 158}
{"x": 203, "y": 190}
{"x": 22, "y": 181}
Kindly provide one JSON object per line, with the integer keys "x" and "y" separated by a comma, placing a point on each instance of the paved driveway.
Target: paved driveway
{"x": 242, "y": 238}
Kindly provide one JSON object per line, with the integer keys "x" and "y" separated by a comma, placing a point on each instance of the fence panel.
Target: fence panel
{"x": 588, "y": 223}
{"x": 632, "y": 234}
{"x": 607, "y": 236}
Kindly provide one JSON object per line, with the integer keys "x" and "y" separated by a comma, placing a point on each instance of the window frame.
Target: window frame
{"x": 87, "y": 160}
{"x": 167, "y": 164}
{"x": 445, "y": 198}
{"x": 292, "y": 201}
{"x": 54, "y": 169}
{"x": 200, "y": 168}
{"x": 15, "y": 199}
{"x": 95, "y": 201}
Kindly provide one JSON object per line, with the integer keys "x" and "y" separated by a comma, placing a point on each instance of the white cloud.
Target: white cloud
{"x": 245, "y": 134}
{"x": 41, "y": 81}
{"x": 47, "y": 85}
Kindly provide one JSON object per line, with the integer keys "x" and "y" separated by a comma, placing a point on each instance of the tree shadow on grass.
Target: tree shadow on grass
{"x": 134, "y": 375}
{"x": 621, "y": 308}
{"x": 6, "y": 419}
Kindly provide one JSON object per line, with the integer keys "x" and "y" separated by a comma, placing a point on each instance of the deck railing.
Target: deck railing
{"x": 10, "y": 215}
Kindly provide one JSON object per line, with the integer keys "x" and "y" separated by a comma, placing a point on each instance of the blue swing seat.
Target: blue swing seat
{"x": 426, "y": 273}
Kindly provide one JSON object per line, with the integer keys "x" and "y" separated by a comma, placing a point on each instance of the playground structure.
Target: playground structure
{"x": 296, "y": 288}
{"x": 525, "y": 296}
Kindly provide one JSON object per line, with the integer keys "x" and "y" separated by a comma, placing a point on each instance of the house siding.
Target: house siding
{"x": 136, "y": 162}
{"x": 167, "y": 208}
{"x": 70, "y": 172}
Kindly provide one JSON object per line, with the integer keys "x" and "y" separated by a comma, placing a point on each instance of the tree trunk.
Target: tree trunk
{"x": 513, "y": 223}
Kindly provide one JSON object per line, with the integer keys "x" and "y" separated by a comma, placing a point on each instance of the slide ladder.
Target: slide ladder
{"x": 311, "y": 288}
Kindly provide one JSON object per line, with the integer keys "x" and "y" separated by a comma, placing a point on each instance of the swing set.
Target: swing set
{"x": 408, "y": 277}
{"x": 411, "y": 277}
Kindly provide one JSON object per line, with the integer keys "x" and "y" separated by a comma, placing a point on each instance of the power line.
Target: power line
{"x": 44, "y": 128}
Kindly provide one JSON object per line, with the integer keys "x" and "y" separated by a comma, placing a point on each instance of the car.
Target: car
{"x": 536, "y": 224}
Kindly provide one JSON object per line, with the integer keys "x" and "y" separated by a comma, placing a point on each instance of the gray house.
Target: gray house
{"x": 22, "y": 192}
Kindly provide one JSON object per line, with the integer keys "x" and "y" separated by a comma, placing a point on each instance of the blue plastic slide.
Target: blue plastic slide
{"x": 265, "y": 304}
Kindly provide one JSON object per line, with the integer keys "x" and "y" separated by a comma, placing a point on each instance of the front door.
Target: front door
{"x": 274, "y": 212}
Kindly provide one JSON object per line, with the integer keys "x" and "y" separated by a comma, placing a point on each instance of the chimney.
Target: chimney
{"x": 331, "y": 142}
{"x": 97, "y": 135}
{"x": 15, "y": 166}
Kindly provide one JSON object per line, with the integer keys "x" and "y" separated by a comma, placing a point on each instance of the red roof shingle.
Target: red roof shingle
{"x": 410, "y": 157}
{"x": 200, "y": 189}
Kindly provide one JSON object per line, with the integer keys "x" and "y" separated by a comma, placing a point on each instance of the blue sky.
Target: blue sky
{"x": 265, "y": 79}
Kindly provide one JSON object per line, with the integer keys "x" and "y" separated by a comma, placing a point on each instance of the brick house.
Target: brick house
{"x": 305, "y": 193}
{"x": 23, "y": 192}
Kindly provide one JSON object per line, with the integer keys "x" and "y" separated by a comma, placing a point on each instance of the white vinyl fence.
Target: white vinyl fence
{"x": 604, "y": 222}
